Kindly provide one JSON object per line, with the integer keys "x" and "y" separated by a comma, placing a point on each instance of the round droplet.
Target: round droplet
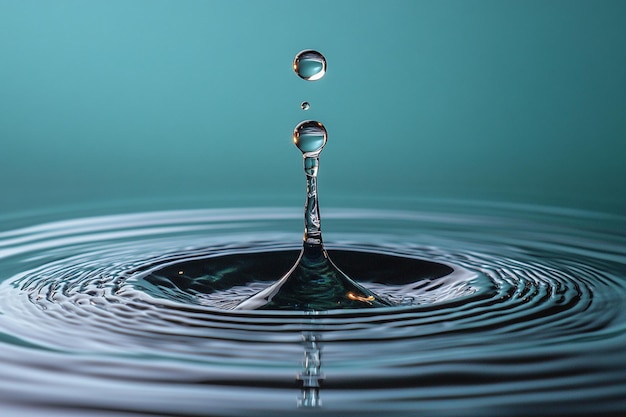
{"x": 310, "y": 65}
{"x": 305, "y": 105}
{"x": 310, "y": 136}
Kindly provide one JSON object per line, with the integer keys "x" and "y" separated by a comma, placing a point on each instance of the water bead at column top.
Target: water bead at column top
{"x": 310, "y": 65}
{"x": 310, "y": 136}
{"x": 305, "y": 105}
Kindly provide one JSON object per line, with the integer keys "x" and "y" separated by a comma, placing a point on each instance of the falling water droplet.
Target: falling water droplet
{"x": 310, "y": 137}
{"x": 305, "y": 105}
{"x": 310, "y": 65}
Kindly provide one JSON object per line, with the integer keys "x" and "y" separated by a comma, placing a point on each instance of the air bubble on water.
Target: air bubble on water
{"x": 310, "y": 65}
{"x": 305, "y": 105}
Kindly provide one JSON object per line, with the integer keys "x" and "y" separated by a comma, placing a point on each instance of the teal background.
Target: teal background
{"x": 128, "y": 103}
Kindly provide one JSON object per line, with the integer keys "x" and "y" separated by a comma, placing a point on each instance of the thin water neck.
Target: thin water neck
{"x": 312, "y": 221}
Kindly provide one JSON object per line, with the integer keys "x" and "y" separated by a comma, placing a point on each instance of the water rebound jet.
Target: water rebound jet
{"x": 314, "y": 282}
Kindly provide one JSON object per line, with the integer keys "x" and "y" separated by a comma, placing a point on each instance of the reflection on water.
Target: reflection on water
{"x": 500, "y": 311}
{"x": 311, "y": 375}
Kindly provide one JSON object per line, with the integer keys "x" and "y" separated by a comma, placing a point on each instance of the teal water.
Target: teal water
{"x": 497, "y": 310}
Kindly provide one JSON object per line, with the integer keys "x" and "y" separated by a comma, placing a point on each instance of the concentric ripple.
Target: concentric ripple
{"x": 499, "y": 311}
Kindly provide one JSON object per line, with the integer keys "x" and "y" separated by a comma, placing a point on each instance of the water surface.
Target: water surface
{"x": 500, "y": 310}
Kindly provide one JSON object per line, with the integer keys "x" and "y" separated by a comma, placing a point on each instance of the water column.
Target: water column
{"x": 314, "y": 282}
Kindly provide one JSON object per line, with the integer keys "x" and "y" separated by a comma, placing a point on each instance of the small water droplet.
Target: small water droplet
{"x": 310, "y": 65}
{"x": 310, "y": 136}
{"x": 305, "y": 105}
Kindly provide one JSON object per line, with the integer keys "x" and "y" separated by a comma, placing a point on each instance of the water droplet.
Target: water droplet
{"x": 310, "y": 137}
{"x": 310, "y": 65}
{"x": 305, "y": 105}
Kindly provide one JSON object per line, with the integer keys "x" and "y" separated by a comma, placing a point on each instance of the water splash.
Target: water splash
{"x": 314, "y": 282}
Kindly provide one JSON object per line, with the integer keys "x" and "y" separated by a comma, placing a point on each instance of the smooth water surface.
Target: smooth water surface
{"x": 499, "y": 310}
